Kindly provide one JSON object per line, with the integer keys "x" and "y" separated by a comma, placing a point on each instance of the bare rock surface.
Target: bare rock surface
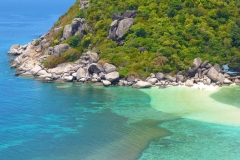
{"x": 142, "y": 84}
{"x": 112, "y": 76}
{"x": 108, "y": 68}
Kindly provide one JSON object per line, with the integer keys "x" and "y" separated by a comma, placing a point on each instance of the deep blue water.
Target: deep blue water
{"x": 71, "y": 121}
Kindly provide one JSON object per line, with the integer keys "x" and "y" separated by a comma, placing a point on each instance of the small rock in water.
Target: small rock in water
{"x": 106, "y": 82}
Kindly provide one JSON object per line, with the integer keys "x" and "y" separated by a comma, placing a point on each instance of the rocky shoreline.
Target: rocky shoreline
{"x": 29, "y": 60}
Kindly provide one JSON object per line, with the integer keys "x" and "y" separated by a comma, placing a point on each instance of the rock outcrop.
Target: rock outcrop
{"x": 14, "y": 50}
{"x": 142, "y": 84}
{"x": 77, "y": 26}
{"x": 86, "y": 68}
{"x": 192, "y": 70}
{"x": 81, "y": 73}
{"x": 95, "y": 68}
{"x": 113, "y": 76}
{"x": 84, "y": 4}
{"x": 92, "y": 57}
{"x": 120, "y": 25}
{"x": 106, "y": 83}
{"x": 189, "y": 83}
{"x": 58, "y": 49}
{"x": 108, "y": 68}
{"x": 206, "y": 72}
{"x": 160, "y": 76}
{"x": 123, "y": 26}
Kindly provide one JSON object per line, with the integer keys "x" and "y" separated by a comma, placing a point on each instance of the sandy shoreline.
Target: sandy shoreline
{"x": 194, "y": 103}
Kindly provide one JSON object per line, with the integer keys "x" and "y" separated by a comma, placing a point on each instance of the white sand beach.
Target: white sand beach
{"x": 194, "y": 103}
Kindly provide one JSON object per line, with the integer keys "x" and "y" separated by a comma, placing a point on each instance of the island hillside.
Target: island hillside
{"x": 109, "y": 40}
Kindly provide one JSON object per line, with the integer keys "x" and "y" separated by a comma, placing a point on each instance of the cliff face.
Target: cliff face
{"x": 136, "y": 37}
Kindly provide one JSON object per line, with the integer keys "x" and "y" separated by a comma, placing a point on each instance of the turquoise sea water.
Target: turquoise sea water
{"x": 73, "y": 121}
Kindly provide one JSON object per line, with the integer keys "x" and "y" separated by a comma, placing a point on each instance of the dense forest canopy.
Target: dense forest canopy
{"x": 172, "y": 33}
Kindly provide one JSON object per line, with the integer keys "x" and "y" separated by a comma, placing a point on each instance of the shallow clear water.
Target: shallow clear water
{"x": 219, "y": 105}
{"x": 72, "y": 121}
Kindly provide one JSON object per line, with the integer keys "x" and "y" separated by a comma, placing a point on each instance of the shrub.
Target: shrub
{"x": 52, "y": 61}
{"x": 73, "y": 41}
{"x": 86, "y": 40}
{"x": 54, "y": 43}
{"x": 123, "y": 72}
{"x": 37, "y": 42}
{"x": 71, "y": 55}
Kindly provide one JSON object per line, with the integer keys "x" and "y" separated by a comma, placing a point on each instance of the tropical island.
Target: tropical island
{"x": 134, "y": 43}
{"x": 137, "y": 43}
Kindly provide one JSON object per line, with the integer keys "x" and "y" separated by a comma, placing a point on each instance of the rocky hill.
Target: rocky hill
{"x": 107, "y": 40}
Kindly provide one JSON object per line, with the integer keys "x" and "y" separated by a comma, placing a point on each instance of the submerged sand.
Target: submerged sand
{"x": 194, "y": 103}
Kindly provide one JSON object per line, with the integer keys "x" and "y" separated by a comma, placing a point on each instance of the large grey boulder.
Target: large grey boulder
{"x": 112, "y": 76}
{"x": 152, "y": 81}
{"x": 197, "y": 62}
{"x": 106, "y": 83}
{"x": 92, "y": 57}
{"x": 95, "y": 68}
{"x": 142, "y": 84}
{"x": 108, "y": 68}
{"x": 189, "y": 83}
{"x": 118, "y": 28}
{"x": 213, "y": 74}
{"x": 113, "y": 28}
{"x": 123, "y": 26}
{"x": 81, "y": 73}
{"x": 217, "y": 67}
{"x": 60, "y": 49}
{"x": 68, "y": 78}
{"x": 62, "y": 68}
{"x": 160, "y": 76}
{"x": 193, "y": 70}
{"x": 77, "y": 26}
{"x": 67, "y": 32}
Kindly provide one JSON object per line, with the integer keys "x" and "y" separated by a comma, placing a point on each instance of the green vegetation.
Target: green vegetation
{"x": 173, "y": 33}
{"x": 37, "y": 42}
{"x": 69, "y": 56}
{"x": 53, "y": 60}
